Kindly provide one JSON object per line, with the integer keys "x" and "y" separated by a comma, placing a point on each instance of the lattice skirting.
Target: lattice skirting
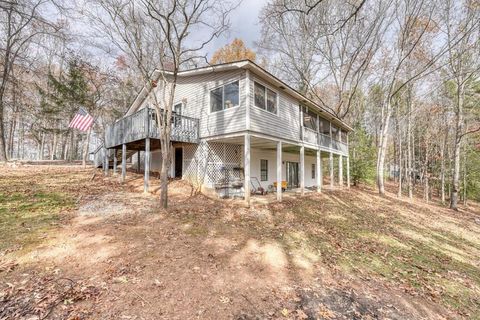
{"x": 210, "y": 164}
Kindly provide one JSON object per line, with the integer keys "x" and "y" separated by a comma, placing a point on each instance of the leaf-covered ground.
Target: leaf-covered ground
{"x": 82, "y": 248}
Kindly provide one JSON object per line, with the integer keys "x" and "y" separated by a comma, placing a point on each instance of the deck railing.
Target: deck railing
{"x": 142, "y": 124}
{"x": 323, "y": 140}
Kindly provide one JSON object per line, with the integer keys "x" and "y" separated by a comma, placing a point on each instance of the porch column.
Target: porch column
{"x": 279, "y": 171}
{"x": 124, "y": 161}
{"x": 302, "y": 170}
{"x": 105, "y": 158}
{"x": 348, "y": 172}
{"x": 114, "y": 162}
{"x": 319, "y": 173}
{"x": 146, "y": 166}
{"x": 340, "y": 170}
{"x": 247, "y": 168}
{"x": 331, "y": 169}
{"x": 138, "y": 161}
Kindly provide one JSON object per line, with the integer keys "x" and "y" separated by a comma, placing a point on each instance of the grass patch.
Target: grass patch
{"x": 24, "y": 217}
{"x": 385, "y": 245}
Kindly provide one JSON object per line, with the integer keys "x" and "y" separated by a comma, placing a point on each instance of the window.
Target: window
{"x": 265, "y": 98}
{"x": 263, "y": 170}
{"x": 231, "y": 95}
{"x": 309, "y": 119}
{"x": 177, "y": 112}
{"x": 324, "y": 126}
{"x": 224, "y": 97}
{"x": 313, "y": 171}
{"x": 335, "y": 132}
{"x": 344, "y": 136}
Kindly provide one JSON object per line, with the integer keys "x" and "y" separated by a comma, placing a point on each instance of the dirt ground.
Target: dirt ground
{"x": 107, "y": 251}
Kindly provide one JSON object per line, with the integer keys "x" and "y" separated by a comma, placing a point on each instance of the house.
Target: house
{"x": 235, "y": 127}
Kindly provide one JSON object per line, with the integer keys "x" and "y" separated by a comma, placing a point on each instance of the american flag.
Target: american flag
{"x": 82, "y": 120}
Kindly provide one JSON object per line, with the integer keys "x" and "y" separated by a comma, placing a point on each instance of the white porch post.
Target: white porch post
{"x": 146, "y": 179}
{"x": 302, "y": 170}
{"x": 331, "y": 157}
{"x": 348, "y": 171}
{"x": 114, "y": 162}
{"x": 330, "y": 162}
{"x": 247, "y": 168}
{"x": 279, "y": 171}
{"x": 348, "y": 165}
{"x": 124, "y": 161}
{"x": 319, "y": 171}
{"x": 340, "y": 170}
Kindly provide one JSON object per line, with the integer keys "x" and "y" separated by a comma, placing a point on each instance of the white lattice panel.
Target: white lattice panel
{"x": 211, "y": 164}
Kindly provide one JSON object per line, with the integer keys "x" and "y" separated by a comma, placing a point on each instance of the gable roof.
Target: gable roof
{"x": 257, "y": 70}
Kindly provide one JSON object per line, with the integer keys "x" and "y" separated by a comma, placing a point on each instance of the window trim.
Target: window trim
{"x": 266, "y": 170}
{"x": 314, "y": 171}
{"x": 277, "y": 100}
{"x": 223, "y": 96}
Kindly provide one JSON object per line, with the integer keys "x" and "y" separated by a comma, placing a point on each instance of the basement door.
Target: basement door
{"x": 292, "y": 174}
{"x": 178, "y": 162}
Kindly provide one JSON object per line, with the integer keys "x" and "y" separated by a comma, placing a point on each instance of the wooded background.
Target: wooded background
{"x": 403, "y": 73}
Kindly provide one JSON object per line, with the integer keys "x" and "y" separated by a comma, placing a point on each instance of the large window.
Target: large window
{"x": 263, "y": 170}
{"x": 310, "y": 119}
{"x": 265, "y": 98}
{"x": 324, "y": 126}
{"x": 224, "y": 97}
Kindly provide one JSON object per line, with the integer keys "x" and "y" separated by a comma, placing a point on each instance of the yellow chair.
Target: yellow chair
{"x": 284, "y": 185}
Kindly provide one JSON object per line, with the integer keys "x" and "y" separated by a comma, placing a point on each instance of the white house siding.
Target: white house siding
{"x": 271, "y": 156}
{"x": 194, "y": 93}
{"x": 285, "y": 124}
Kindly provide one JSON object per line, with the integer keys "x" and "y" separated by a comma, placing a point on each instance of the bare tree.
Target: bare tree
{"x": 326, "y": 60}
{"x": 462, "y": 30}
{"x": 21, "y": 24}
{"x": 161, "y": 34}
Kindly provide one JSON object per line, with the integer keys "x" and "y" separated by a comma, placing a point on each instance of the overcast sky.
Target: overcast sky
{"x": 244, "y": 25}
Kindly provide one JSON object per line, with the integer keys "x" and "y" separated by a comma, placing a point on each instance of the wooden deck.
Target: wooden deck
{"x": 134, "y": 129}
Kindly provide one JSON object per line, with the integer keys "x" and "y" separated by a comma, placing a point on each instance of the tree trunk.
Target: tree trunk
{"x": 442, "y": 166}
{"x": 85, "y": 148}
{"x": 409, "y": 152}
{"x": 164, "y": 180}
{"x": 54, "y": 146}
{"x": 3, "y": 149}
{"x": 399, "y": 165}
{"x": 457, "y": 149}
{"x": 382, "y": 150}
{"x": 42, "y": 147}
{"x": 465, "y": 178}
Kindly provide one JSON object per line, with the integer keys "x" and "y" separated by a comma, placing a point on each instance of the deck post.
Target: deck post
{"x": 331, "y": 169}
{"x": 146, "y": 165}
{"x": 105, "y": 159}
{"x": 124, "y": 161}
{"x": 348, "y": 165}
{"x": 340, "y": 170}
{"x": 114, "y": 162}
{"x": 247, "y": 168}
{"x": 302, "y": 170}
{"x": 279, "y": 171}
{"x": 348, "y": 172}
{"x": 318, "y": 175}
{"x": 138, "y": 161}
